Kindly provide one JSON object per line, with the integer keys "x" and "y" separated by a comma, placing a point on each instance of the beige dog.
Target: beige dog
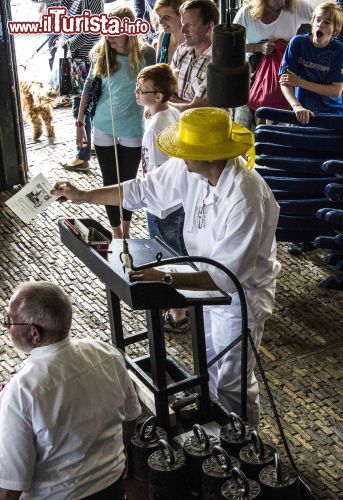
{"x": 36, "y": 104}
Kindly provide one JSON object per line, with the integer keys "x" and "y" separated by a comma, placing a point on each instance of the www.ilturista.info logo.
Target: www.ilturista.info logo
{"x": 57, "y": 21}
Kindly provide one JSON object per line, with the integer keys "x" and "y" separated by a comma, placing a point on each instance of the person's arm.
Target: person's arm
{"x": 9, "y": 494}
{"x": 289, "y": 65}
{"x": 182, "y": 105}
{"x": 334, "y": 89}
{"x": 200, "y": 280}
{"x": 18, "y": 441}
{"x": 302, "y": 114}
{"x": 81, "y": 135}
{"x": 65, "y": 191}
{"x": 129, "y": 428}
{"x": 265, "y": 47}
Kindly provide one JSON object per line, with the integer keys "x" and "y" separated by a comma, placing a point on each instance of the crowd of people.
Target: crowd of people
{"x": 66, "y": 418}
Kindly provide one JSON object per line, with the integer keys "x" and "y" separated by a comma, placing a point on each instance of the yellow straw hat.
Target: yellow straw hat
{"x": 207, "y": 134}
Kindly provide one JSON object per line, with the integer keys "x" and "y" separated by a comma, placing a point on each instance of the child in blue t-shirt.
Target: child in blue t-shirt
{"x": 312, "y": 67}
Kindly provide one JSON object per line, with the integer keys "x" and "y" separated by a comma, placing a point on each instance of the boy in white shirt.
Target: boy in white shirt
{"x": 155, "y": 85}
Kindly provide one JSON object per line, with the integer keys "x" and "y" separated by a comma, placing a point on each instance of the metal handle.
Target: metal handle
{"x": 217, "y": 452}
{"x": 237, "y": 424}
{"x": 241, "y": 481}
{"x": 151, "y": 434}
{"x": 167, "y": 451}
{"x": 278, "y": 468}
{"x": 258, "y": 445}
{"x": 201, "y": 435}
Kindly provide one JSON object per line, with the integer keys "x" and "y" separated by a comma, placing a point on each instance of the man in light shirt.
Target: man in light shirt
{"x": 191, "y": 58}
{"x": 230, "y": 216}
{"x": 68, "y": 415}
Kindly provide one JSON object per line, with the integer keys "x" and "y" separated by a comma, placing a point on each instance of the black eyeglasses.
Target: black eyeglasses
{"x": 138, "y": 89}
{"x": 6, "y": 322}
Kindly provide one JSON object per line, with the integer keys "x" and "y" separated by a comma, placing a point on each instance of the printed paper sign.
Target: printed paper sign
{"x": 32, "y": 199}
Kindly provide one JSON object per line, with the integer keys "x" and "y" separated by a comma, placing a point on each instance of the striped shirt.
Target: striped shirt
{"x": 192, "y": 72}
{"x": 82, "y": 43}
{"x": 48, "y": 3}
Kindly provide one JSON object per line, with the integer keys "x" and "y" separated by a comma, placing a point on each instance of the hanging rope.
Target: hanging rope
{"x": 125, "y": 257}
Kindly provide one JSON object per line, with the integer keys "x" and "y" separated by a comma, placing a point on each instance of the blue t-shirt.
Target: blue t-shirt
{"x": 128, "y": 115}
{"x": 318, "y": 65}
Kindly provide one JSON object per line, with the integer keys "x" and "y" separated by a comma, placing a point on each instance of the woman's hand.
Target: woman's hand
{"x": 267, "y": 47}
{"x": 81, "y": 137}
{"x": 65, "y": 191}
{"x": 150, "y": 274}
{"x": 303, "y": 115}
{"x": 290, "y": 79}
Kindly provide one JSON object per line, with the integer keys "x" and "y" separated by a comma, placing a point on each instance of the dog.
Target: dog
{"x": 36, "y": 105}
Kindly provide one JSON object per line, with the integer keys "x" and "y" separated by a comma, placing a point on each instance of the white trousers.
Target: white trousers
{"x": 223, "y": 326}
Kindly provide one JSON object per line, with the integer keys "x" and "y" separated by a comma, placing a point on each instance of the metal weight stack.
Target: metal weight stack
{"x": 241, "y": 488}
{"x": 215, "y": 471}
{"x": 196, "y": 449}
{"x": 167, "y": 474}
{"x": 255, "y": 456}
{"x": 143, "y": 443}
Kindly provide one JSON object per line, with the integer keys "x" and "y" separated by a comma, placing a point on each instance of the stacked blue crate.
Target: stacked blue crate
{"x": 290, "y": 159}
{"x": 333, "y": 217}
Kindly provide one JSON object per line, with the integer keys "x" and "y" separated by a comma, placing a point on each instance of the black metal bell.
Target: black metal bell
{"x": 235, "y": 435}
{"x": 167, "y": 474}
{"x": 228, "y": 75}
{"x": 196, "y": 449}
{"x": 255, "y": 456}
{"x": 143, "y": 443}
{"x": 279, "y": 481}
{"x": 240, "y": 487}
{"x": 215, "y": 471}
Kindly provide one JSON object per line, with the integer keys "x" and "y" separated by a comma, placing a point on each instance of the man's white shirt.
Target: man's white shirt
{"x": 61, "y": 421}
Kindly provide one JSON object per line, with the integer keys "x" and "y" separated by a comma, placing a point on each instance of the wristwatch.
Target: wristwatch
{"x": 167, "y": 278}
{"x": 79, "y": 124}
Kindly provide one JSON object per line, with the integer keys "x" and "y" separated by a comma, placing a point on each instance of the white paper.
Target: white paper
{"x": 83, "y": 230}
{"x": 32, "y": 199}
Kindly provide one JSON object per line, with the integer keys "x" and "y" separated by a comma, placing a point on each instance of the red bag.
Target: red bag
{"x": 265, "y": 89}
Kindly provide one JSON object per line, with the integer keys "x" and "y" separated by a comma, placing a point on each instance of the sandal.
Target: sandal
{"x": 170, "y": 325}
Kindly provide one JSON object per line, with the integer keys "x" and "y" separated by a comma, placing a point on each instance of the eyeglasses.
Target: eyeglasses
{"x": 140, "y": 91}
{"x": 6, "y": 322}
